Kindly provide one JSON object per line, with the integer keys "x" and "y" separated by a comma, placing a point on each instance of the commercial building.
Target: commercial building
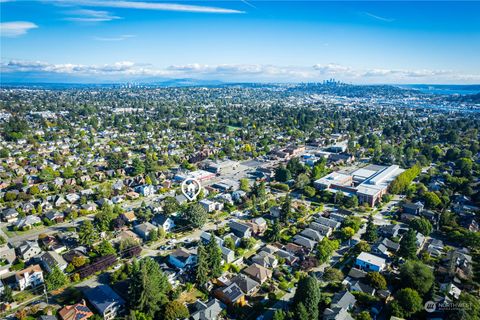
{"x": 369, "y": 184}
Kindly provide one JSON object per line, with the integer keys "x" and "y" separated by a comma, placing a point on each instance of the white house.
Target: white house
{"x": 210, "y": 205}
{"x": 29, "y": 249}
{"x": 369, "y": 262}
{"x": 29, "y": 277}
{"x": 164, "y": 222}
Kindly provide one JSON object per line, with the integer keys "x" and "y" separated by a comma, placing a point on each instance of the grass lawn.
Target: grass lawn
{"x": 11, "y": 233}
{"x": 232, "y": 128}
{"x": 190, "y": 296}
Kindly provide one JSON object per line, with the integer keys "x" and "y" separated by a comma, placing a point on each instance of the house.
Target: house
{"x": 358, "y": 286}
{"x": 9, "y": 215}
{"x": 55, "y": 216}
{"x": 206, "y": 311}
{"x": 385, "y": 248}
{"x": 413, "y": 208}
{"x": 29, "y": 277}
{"x": 322, "y": 229}
{"x": 290, "y": 259}
{"x": 164, "y": 222}
{"x": 248, "y": 285}
{"x": 144, "y": 229}
{"x": 231, "y": 295}
{"x": 128, "y": 217}
{"x": 328, "y": 222}
{"x": 435, "y": 248}
{"x": 145, "y": 190}
{"x": 265, "y": 259}
{"x": 336, "y": 314}
{"x": 258, "y": 273}
{"x": 304, "y": 242}
{"x": 391, "y": 230}
{"x": 227, "y": 255}
{"x": 181, "y": 258}
{"x": 72, "y": 197}
{"x": 241, "y": 230}
{"x": 105, "y": 301}
{"x": 7, "y": 257}
{"x": 90, "y": 207}
{"x": 258, "y": 225}
{"x": 27, "y": 222}
{"x": 312, "y": 234}
{"x": 343, "y": 299}
{"x": 28, "y": 250}
{"x": 78, "y": 311}
{"x": 51, "y": 259}
{"x": 210, "y": 205}
{"x": 369, "y": 262}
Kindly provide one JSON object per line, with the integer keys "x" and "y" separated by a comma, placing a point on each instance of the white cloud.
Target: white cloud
{"x": 149, "y": 6}
{"x": 115, "y": 38}
{"x": 85, "y": 15}
{"x": 16, "y": 28}
{"x": 376, "y": 17}
{"x": 242, "y": 72}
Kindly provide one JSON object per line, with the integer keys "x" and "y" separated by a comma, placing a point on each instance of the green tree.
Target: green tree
{"x": 214, "y": 257}
{"x": 48, "y": 174}
{"x": 347, "y": 232}
{"x": 7, "y": 295}
{"x": 308, "y": 293}
{"x": 148, "y": 287}
{"x": 175, "y": 310}
{"x": 364, "y": 315}
{"x": 403, "y": 180}
{"x": 408, "y": 245}
{"x": 86, "y": 233}
{"x": 333, "y": 275}
{"x": 309, "y": 192}
{"x": 325, "y": 249}
{"x": 138, "y": 167}
{"x": 56, "y": 279}
{"x": 286, "y": 209}
{"x": 302, "y": 181}
{"x": 273, "y": 234}
{"x": 105, "y": 248}
{"x": 279, "y": 315}
{"x": 115, "y": 161}
{"x": 282, "y": 174}
{"x": 371, "y": 233}
{"x": 422, "y": 225}
{"x": 301, "y": 312}
{"x": 244, "y": 185}
{"x": 203, "y": 269}
{"x": 2, "y": 241}
{"x": 409, "y": 302}
{"x": 376, "y": 280}
{"x": 432, "y": 201}
{"x": 196, "y": 215}
{"x": 416, "y": 275}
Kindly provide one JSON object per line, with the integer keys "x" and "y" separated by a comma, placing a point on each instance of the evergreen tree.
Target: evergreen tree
{"x": 301, "y": 312}
{"x": 87, "y": 234}
{"x": 202, "y": 266}
{"x": 408, "y": 245}
{"x": 7, "y": 294}
{"x": 308, "y": 294}
{"x": 196, "y": 215}
{"x": 56, "y": 279}
{"x": 273, "y": 234}
{"x": 371, "y": 233}
{"x": 148, "y": 287}
{"x": 286, "y": 209}
{"x": 214, "y": 257}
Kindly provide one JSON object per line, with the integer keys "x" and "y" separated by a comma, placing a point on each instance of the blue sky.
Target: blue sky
{"x": 358, "y": 42}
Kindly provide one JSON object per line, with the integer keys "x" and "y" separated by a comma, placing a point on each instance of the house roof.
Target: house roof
{"x": 245, "y": 283}
{"x": 238, "y": 226}
{"x": 32, "y": 269}
{"x": 102, "y": 297}
{"x": 232, "y": 292}
{"x": 343, "y": 299}
{"x": 371, "y": 259}
{"x": 258, "y": 272}
{"x": 77, "y": 311}
{"x": 207, "y": 311}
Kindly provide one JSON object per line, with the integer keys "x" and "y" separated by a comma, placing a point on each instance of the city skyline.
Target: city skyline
{"x": 240, "y": 41}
